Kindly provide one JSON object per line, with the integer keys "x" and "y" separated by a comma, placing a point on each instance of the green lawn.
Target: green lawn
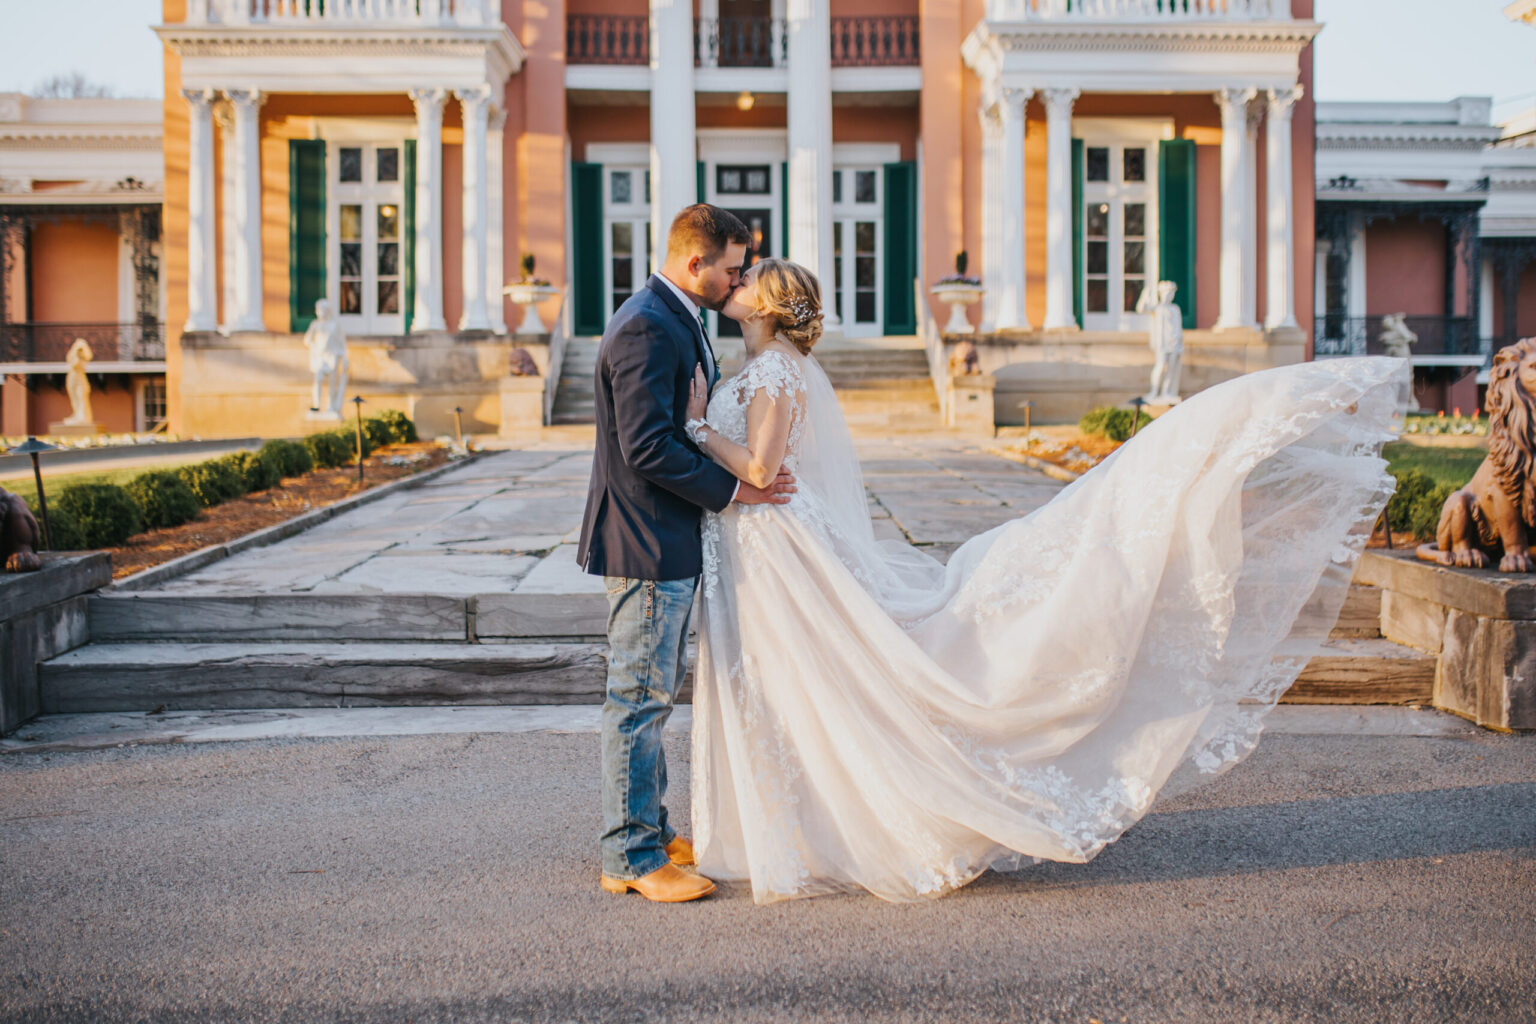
{"x": 1450, "y": 466}
{"x": 55, "y": 482}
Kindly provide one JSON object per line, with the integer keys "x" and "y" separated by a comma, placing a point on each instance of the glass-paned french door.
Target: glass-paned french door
{"x": 1119, "y": 232}
{"x": 366, "y": 254}
{"x": 626, "y": 232}
{"x": 857, "y": 249}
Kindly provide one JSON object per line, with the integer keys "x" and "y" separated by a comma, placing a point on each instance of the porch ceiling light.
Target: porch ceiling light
{"x": 745, "y": 100}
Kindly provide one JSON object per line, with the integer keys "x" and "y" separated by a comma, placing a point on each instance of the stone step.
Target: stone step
{"x": 1365, "y": 671}
{"x": 145, "y": 616}
{"x": 141, "y": 677}
{"x": 1360, "y": 616}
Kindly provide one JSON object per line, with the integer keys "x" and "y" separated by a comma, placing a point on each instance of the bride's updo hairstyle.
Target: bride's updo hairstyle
{"x": 791, "y": 295}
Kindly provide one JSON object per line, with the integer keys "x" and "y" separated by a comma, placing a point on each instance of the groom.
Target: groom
{"x": 640, "y": 532}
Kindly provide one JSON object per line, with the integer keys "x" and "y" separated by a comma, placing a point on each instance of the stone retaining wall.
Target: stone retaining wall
{"x": 42, "y": 614}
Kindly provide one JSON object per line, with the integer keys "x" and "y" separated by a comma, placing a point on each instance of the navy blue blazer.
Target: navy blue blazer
{"x": 650, "y": 483}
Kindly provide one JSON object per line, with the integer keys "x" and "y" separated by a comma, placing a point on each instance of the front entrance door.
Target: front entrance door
{"x": 1119, "y": 231}
{"x": 857, "y": 273}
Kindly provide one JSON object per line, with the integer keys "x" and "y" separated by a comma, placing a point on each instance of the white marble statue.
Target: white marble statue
{"x": 1397, "y": 340}
{"x": 77, "y": 385}
{"x": 1167, "y": 341}
{"x": 327, "y": 361}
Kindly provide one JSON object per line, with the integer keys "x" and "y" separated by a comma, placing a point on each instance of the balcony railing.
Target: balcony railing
{"x": 874, "y": 42}
{"x": 319, "y": 13}
{"x": 607, "y": 39}
{"x": 741, "y": 42}
{"x": 1138, "y": 10}
{"x": 110, "y": 343}
{"x": 1361, "y": 336}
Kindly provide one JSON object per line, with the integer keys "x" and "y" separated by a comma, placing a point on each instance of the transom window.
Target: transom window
{"x": 366, "y": 257}
{"x": 743, "y": 179}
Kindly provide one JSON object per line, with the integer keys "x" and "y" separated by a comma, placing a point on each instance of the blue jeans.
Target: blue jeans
{"x": 647, "y": 659}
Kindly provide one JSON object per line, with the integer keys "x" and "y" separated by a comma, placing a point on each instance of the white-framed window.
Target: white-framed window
{"x": 858, "y": 245}
{"x": 365, "y": 197}
{"x": 626, "y": 232}
{"x": 1120, "y": 239}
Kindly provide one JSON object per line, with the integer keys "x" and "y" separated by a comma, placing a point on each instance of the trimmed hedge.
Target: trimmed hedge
{"x": 330, "y": 448}
{"x": 163, "y": 497}
{"x": 63, "y": 532}
{"x": 258, "y": 472}
{"x": 1412, "y": 485}
{"x": 1424, "y": 518}
{"x": 399, "y": 428}
{"x": 1115, "y": 424}
{"x": 105, "y": 514}
{"x": 215, "y": 481}
{"x": 290, "y": 457}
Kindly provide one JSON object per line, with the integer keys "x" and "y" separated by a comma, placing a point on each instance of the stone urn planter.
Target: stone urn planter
{"x": 960, "y": 296}
{"x": 528, "y": 295}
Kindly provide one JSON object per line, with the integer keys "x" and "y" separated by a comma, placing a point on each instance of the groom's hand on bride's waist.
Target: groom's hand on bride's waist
{"x": 776, "y": 493}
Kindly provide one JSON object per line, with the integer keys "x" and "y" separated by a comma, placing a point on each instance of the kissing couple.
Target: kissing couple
{"x": 867, "y": 718}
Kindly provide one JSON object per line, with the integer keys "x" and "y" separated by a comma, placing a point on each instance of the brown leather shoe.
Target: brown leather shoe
{"x": 667, "y": 884}
{"x": 680, "y": 852}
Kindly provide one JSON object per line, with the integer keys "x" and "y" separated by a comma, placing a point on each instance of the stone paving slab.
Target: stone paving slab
{"x": 507, "y": 525}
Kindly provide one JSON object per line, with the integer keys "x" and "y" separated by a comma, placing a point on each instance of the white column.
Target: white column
{"x": 674, "y": 151}
{"x": 1011, "y": 314}
{"x": 202, "y": 295}
{"x": 1058, "y": 208}
{"x": 1255, "y": 114}
{"x": 247, "y": 269}
{"x": 1280, "y": 297}
{"x": 228, "y": 235}
{"x": 1234, "y": 136}
{"x": 475, "y": 104}
{"x": 428, "y": 314}
{"x": 991, "y": 215}
{"x": 495, "y": 235}
{"x": 810, "y": 140}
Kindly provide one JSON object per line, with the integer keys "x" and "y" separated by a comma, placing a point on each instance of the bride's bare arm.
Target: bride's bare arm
{"x": 768, "y": 421}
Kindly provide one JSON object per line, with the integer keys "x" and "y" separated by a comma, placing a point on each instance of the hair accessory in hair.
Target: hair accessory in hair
{"x": 802, "y": 308}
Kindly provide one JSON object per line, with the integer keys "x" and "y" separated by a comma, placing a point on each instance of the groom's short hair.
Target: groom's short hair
{"x": 706, "y": 230}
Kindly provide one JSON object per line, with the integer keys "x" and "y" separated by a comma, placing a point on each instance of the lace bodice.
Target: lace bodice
{"x": 776, "y": 374}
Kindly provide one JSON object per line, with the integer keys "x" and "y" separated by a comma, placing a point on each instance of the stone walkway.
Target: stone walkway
{"x": 509, "y": 523}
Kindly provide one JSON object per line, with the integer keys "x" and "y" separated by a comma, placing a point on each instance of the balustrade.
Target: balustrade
{"x": 110, "y": 343}
{"x": 448, "y": 13}
{"x": 872, "y": 42}
{"x": 1137, "y": 10}
{"x": 1338, "y": 335}
{"x": 607, "y": 39}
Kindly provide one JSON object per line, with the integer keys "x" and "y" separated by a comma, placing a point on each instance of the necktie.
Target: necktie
{"x": 709, "y": 362}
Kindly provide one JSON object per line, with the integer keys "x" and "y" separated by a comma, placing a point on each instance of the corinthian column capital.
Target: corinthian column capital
{"x": 1059, "y": 101}
{"x": 1282, "y": 100}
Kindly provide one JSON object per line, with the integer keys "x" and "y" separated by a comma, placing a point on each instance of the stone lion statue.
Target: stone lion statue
{"x": 19, "y": 536}
{"x": 1495, "y": 514}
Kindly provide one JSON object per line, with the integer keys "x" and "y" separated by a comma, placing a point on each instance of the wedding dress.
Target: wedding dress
{"x": 867, "y": 718}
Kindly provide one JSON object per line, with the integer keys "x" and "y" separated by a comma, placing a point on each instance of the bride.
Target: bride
{"x": 869, "y": 719}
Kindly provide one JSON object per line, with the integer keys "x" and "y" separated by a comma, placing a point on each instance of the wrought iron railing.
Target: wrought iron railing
{"x": 110, "y": 343}
{"x": 874, "y": 42}
{"x": 451, "y": 13}
{"x": 1138, "y": 10}
{"x": 1361, "y": 336}
{"x": 607, "y": 39}
{"x": 740, "y": 42}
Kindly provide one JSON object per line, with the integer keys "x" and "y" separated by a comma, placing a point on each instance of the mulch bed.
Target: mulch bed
{"x": 293, "y": 497}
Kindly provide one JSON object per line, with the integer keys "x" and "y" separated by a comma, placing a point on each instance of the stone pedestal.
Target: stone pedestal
{"x": 968, "y": 404}
{"x": 1481, "y": 624}
{"x": 42, "y": 615}
{"x": 62, "y": 429}
{"x": 522, "y": 406}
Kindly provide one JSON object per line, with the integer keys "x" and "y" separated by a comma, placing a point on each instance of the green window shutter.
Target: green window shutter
{"x": 587, "y": 307}
{"x": 1176, "y": 221}
{"x": 408, "y": 227}
{"x": 306, "y": 230}
{"x": 783, "y": 242}
{"x": 1077, "y": 231}
{"x": 900, "y": 247}
{"x": 699, "y": 179}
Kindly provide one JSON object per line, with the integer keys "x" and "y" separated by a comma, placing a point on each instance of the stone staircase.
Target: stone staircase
{"x": 882, "y": 389}
{"x": 573, "y": 395}
{"x": 153, "y": 650}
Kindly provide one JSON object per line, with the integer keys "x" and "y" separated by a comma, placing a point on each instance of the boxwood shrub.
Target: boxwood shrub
{"x": 63, "y": 532}
{"x": 214, "y": 481}
{"x": 258, "y": 472}
{"x": 105, "y": 514}
{"x": 1412, "y": 487}
{"x": 330, "y": 448}
{"x": 1108, "y": 421}
{"x": 291, "y": 458}
{"x": 164, "y": 498}
{"x": 398, "y": 427}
